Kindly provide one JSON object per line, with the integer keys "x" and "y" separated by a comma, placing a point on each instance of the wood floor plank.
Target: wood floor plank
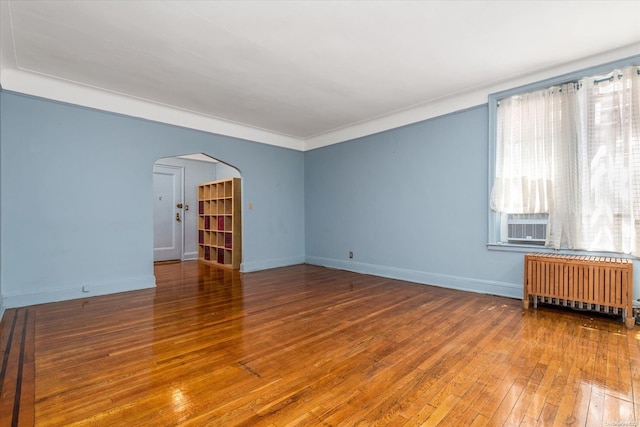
{"x": 306, "y": 345}
{"x": 596, "y": 407}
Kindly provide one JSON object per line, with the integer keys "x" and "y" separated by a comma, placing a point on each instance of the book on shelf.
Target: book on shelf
{"x": 228, "y": 239}
{"x": 207, "y": 223}
{"x": 220, "y": 223}
{"x": 207, "y": 253}
{"x": 220, "y": 256}
{"x": 200, "y": 236}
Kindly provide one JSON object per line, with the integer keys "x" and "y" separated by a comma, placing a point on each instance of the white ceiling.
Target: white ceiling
{"x": 300, "y": 74}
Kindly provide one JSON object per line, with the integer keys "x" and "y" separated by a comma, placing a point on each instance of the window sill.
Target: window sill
{"x": 512, "y": 247}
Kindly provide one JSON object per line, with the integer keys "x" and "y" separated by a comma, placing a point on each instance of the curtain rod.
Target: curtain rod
{"x": 578, "y": 83}
{"x": 610, "y": 79}
{"x": 606, "y": 79}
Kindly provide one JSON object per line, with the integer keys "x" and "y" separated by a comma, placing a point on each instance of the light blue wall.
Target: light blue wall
{"x": 76, "y": 198}
{"x": 223, "y": 171}
{"x": 411, "y": 203}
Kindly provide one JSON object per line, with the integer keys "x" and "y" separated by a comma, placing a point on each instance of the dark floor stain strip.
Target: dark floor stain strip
{"x": 16, "y": 400}
{"x": 248, "y": 369}
{"x": 5, "y": 359}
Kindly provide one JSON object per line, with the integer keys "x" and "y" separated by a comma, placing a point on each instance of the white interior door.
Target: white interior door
{"x": 167, "y": 213}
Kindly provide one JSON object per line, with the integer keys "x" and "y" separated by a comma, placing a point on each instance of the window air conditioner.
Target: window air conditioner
{"x": 529, "y": 228}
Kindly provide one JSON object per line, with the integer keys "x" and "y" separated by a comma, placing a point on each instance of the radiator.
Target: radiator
{"x": 582, "y": 282}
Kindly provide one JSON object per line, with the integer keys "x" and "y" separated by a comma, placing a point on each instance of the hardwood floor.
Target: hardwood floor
{"x": 306, "y": 345}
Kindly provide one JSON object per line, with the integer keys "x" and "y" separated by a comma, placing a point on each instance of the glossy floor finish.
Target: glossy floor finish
{"x": 306, "y": 345}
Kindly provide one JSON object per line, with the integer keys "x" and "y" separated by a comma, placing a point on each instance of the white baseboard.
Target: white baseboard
{"x": 190, "y": 256}
{"x": 510, "y": 290}
{"x": 62, "y": 293}
{"x": 247, "y": 267}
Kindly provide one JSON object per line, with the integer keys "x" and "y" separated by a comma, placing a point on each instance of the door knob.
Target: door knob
{"x": 179, "y": 206}
{"x": 178, "y": 216}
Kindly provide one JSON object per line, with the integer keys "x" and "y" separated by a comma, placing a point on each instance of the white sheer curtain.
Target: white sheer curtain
{"x": 564, "y": 164}
{"x": 532, "y": 128}
{"x": 575, "y": 155}
{"x": 608, "y": 190}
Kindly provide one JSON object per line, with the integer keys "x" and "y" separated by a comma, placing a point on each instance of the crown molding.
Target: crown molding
{"x": 48, "y": 87}
{"x": 462, "y": 101}
{"x": 72, "y": 92}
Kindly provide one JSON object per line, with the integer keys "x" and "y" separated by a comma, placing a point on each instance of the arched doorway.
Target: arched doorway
{"x": 175, "y": 202}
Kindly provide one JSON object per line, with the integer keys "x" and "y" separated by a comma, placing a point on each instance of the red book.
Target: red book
{"x": 220, "y": 256}
{"x": 220, "y": 223}
{"x": 200, "y": 236}
{"x": 227, "y": 240}
{"x": 207, "y": 223}
{"x": 201, "y": 208}
{"x": 207, "y": 253}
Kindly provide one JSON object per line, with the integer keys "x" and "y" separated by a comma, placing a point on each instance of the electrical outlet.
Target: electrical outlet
{"x": 350, "y": 254}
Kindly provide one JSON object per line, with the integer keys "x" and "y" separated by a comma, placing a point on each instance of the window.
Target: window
{"x": 568, "y": 163}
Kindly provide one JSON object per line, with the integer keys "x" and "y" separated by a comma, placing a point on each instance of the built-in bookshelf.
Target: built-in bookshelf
{"x": 219, "y": 223}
